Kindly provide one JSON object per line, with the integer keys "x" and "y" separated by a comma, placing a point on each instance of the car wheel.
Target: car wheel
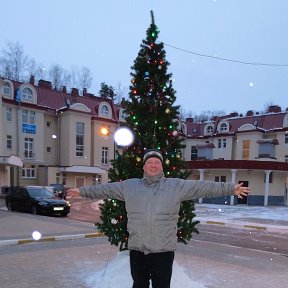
{"x": 64, "y": 214}
{"x": 34, "y": 210}
{"x": 9, "y": 206}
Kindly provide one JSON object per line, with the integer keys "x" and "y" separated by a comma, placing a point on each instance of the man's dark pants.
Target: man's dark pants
{"x": 154, "y": 266}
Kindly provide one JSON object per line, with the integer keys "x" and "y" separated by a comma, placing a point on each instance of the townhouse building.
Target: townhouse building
{"x": 51, "y": 136}
{"x": 251, "y": 148}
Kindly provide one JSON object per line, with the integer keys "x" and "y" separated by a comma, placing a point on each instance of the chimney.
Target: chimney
{"x": 123, "y": 102}
{"x": 64, "y": 89}
{"x": 32, "y": 80}
{"x": 84, "y": 91}
{"x": 249, "y": 113}
{"x": 274, "y": 109}
{"x": 75, "y": 92}
{"x": 190, "y": 120}
{"x": 45, "y": 84}
{"x": 233, "y": 114}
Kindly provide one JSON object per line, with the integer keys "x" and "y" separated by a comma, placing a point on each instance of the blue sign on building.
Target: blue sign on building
{"x": 29, "y": 128}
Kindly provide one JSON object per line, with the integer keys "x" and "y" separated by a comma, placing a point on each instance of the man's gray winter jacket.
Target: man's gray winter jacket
{"x": 152, "y": 209}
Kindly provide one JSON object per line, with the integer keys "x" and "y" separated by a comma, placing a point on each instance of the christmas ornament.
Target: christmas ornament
{"x": 114, "y": 221}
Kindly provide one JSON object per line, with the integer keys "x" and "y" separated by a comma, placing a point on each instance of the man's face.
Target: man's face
{"x": 153, "y": 166}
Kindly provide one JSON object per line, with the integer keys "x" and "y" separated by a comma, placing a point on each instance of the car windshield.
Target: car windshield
{"x": 40, "y": 192}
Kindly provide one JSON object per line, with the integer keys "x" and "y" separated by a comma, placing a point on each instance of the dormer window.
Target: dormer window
{"x": 7, "y": 89}
{"x": 285, "y": 120}
{"x": 208, "y": 129}
{"x": 223, "y": 128}
{"x": 105, "y": 110}
{"x": 122, "y": 114}
{"x": 27, "y": 94}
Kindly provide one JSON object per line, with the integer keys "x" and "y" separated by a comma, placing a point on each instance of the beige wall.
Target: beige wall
{"x": 225, "y": 153}
{"x": 68, "y": 139}
{"x": 282, "y": 148}
{"x": 254, "y": 147}
{"x": 100, "y": 141}
{"x": 51, "y": 158}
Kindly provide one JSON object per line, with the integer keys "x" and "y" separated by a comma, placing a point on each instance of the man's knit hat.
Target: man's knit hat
{"x": 152, "y": 153}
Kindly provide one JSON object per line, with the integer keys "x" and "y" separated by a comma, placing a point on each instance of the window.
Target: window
{"x": 28, "y": 117}
{"x": 286, "y": 138}
{"x": 209, "y": 130}
{"x": 222, "y": 143}
{"x": 32, "y": 117}
{"x": 29, "y": 171}
{"x": 80, "y": 139}
{"x": 27, "y": 94}
{"x": 64, "y": 178}
{"x": 48, "y": 124}
{"x": 104, "y": 159}
{"x": 194, "y": 152}
{"x": 267, "y": 148}
{"x": 122, "y": 115}
{"x": 245, "y": 149}
{"x": 104, "y": 110}
{"x": 6, "y": 89}
{"x": 58, "y": 177}
{"x": 24, "y": 116}
{"x": 220, "y": 178}
{"x": 9, "y": 142}
{"x": 96, "y": 179}
{"x": 28, "y": 148}
{"x": 286, "y": 158}
{"x": 9, "y": 114}
{"x": 223, "y": 128}
{"x": 48, "y": 149}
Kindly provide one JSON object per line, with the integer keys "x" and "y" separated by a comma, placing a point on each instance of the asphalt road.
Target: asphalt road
{"x": 73, "y": 263}
{"x": 249, "y": 239}
{"x": 217, "y": 257}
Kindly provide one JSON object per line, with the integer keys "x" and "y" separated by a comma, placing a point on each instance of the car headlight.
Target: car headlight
{"x": 68, "y": 203}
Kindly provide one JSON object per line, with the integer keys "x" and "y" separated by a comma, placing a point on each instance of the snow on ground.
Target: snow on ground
{"x": 241, "y": 212}
{"x": 117, "y": 274}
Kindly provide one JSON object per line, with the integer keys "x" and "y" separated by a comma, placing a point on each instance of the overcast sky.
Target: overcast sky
{"x": 105, "y": 36}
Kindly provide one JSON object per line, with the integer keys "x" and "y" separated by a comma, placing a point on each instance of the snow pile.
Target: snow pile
{"x": 117, "y": 274}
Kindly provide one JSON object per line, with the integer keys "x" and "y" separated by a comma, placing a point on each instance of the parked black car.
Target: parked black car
{"x": 36, "y": 200}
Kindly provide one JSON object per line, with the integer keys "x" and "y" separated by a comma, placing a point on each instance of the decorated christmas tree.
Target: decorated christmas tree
{"x": 153, "y": 118}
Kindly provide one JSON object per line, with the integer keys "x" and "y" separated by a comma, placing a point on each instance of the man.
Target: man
{"x": 152, "y": 205}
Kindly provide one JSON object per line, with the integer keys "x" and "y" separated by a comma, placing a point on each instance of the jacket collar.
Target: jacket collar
{"x": 149, "y": 180}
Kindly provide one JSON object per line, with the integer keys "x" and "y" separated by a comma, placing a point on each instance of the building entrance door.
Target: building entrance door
{"x": 244, "y": 200}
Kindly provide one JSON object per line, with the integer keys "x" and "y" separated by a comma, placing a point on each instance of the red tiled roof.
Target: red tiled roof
{"x": 265, "y": 122}
{"x": 56, "y": 100}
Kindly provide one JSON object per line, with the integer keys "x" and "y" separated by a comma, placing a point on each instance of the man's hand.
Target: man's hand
{"x": 241, "y": 191}
{"x": 73, "y": 193}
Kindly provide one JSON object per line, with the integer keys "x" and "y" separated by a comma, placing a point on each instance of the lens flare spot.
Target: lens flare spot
{"x": 36, "y": 235}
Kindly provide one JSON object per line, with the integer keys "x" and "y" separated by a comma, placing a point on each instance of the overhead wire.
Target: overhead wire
{"x": 225, "y": 59}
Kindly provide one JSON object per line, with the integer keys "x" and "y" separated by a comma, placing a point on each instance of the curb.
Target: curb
{"x": 50, "y": 238}
{"x": 250, "y": 226}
